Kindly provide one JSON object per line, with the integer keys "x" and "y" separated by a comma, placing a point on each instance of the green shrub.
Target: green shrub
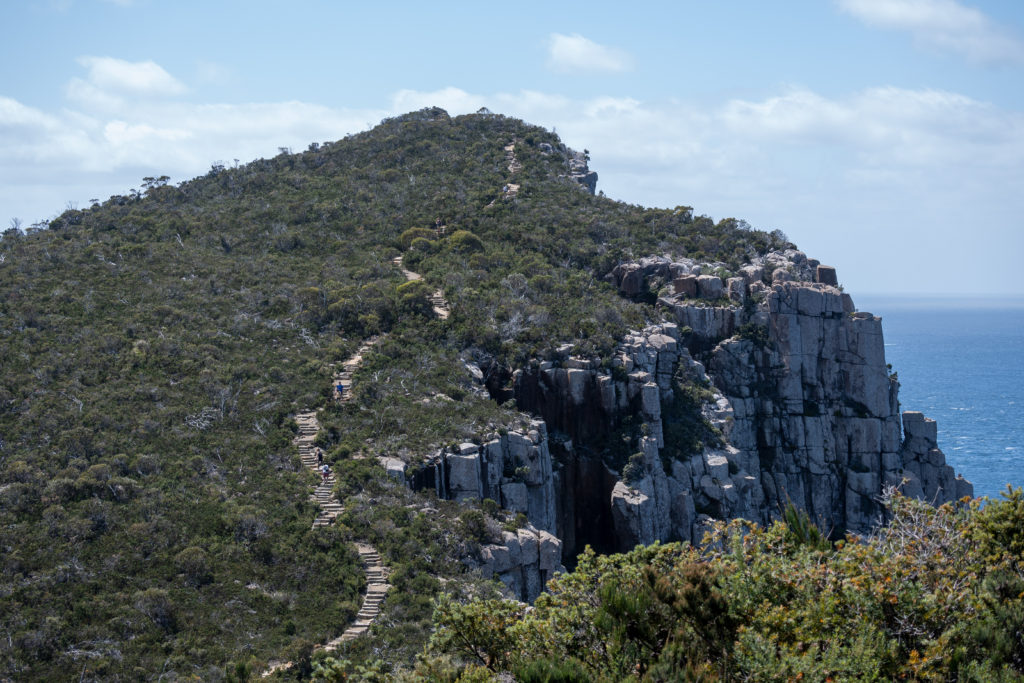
{"x": 634, "y": 470}
{"x": 464, "y": 242}
{"x": 407, "y": 238}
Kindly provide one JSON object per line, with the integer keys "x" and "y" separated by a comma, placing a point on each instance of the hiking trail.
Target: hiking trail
{"x": 377, "y": 584}
{"x": 329, "y": 508}
{"x": 437, "y": 300}
{"x": 511, "y": 189}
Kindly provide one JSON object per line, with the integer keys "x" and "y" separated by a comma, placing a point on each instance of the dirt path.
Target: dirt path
{"x": 344, "y": 377}
{"x": 511, "y": 189}
{"x": 437, "y": 300}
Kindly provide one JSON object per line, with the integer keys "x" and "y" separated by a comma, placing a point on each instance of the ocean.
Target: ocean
{"x": 961, "y": 363}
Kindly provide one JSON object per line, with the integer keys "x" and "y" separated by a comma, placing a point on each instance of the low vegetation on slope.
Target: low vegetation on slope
{"x": 154, "y": 515}
{"x": 938, "y": 595}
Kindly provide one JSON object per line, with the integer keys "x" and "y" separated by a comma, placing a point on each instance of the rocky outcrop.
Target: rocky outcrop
{"x": 925, "y": 473}
{"x": 692, "y": 279}
{"x": 587, "y": 401}
{"x": 805, "y": 402}
{"x": 580, "y": 171}
{"x": 798, "y": 407}
{"x": 514, "y": 469}
{"x": 524, "y": 561}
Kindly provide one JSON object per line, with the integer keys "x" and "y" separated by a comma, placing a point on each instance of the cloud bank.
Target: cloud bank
{"x": 928, "y": 161}
{"x": 942, "y": 24}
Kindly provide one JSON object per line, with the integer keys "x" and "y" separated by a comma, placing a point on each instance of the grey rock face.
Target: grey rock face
{"x": 464, "y": 474}
{"x": 823, "y": 422}
{"x": 826, "y": 275}
{"x": 580, "y": 172}
{"x": 809, "y": 412}
{"x": 804, "y": 402}
{"x": 710, "y": 287}
{"x": 925, "y": 472}
{"x": 523, "y": 561}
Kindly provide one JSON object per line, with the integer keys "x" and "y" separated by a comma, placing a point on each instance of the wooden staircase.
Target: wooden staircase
{"x": 376, "y": 589}
{"x": 329, "y": 509}
{"x": 323, "y": 494}
{"x": 344, "y": 377}
{"x": 437, "y": 301}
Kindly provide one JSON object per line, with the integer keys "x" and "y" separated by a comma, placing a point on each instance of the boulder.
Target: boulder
{"x": 685, "y": 285}
{"x": 826, "y": 275}
{"x": 710, "y": 287}
{"x": 394, "y": 467}
{"x": 529, "y": 546}
{"x": 752, "y": 274}
{"x": 737, "y": 289}
{"x": 464, "y": 476}
{"x": 549, "y": 551}
{"x": 716, "y": 465}
{"x": 629, "y": 278}
{"x": 496, "y": 559}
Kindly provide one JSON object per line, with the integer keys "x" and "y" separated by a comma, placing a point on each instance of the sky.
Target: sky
{"x": 885, "y": 137}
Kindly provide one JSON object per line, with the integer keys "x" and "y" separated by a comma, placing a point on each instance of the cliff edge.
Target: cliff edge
{"x": 796, "y": 405}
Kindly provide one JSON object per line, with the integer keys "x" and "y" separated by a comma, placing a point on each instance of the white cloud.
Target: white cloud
{"x": 943, "y": 24}
{"x": 874, "y": 127}
{"x": 576, "y": 54}
{"x": 45, "y": 155}
{"x": 118, "y": 76}
{"x": 93, "y": 98}
{"x": 450, "y": 99}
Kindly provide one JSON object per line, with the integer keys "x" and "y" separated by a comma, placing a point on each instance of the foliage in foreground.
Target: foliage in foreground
{"x": 937, "y": 595}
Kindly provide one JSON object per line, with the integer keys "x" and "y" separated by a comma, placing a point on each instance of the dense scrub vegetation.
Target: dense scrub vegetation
{"x": 154, "y": 518}
{"x": 938, "y": 595}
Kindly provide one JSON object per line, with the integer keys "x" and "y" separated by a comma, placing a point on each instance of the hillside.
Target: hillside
{"x": 530, "y": 379}
{"x": 156, "y": 346}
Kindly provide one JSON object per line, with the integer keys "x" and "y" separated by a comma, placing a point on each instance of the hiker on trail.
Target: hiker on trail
{"x": 325, "y": 470}
{"x": 341, "y": 389}
{"x": 319, "y": 457}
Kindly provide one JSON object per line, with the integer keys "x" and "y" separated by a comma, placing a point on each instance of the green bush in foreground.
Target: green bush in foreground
{"x": 937, "y": 595}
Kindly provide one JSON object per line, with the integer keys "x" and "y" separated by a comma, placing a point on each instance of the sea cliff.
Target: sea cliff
{"x": 797, "y": 406}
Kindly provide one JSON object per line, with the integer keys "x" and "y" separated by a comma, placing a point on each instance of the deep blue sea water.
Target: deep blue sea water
{"x": 961, "y": 363}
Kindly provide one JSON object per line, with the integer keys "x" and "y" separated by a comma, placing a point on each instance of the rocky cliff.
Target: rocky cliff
{"x": 512, "y": 468}
{"x": 804, "y": 399}
{"x": 790, "y": 397}
{"x": 579, "y": 170}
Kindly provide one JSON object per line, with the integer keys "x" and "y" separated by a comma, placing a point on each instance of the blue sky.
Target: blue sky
{"x": 883, "y": 136}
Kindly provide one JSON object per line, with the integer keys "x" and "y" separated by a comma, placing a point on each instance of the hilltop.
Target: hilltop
{"x": 157, "y": 345}
{"x": 527, "y": 368}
